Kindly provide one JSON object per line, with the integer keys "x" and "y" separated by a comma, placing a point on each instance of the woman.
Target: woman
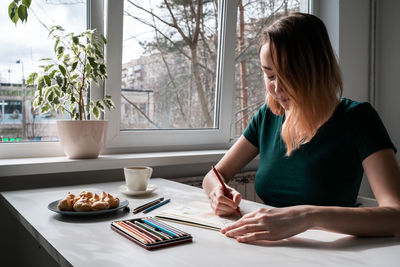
{"x": 313, "y": 146}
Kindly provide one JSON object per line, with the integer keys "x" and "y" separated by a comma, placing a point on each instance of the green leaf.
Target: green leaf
{"x": 47, "y": 80}
{"x": 46, "y": 68}
{"x": 57, "y": 92}
{"x": 41, "y": 83}
{"x": 102, "y": 69}
{"x": 103, "y": 38}
{"x": 56, "y": 43}
{"x": 66, "y": 59}
{"x": 13, "y": 12}
{"x": 92, "y": 62}
{"x": 45, "y": 108}
{"x": 75, "y": 39}
{"x": 96, "y": 112}
{"x": 59, "y": 80}
{"x": 47, "y": 92}
{"x": 52, "y": 73}
{"x": 99, "y": 53}
{"x": 73, "y": 66}
{"x": 62, "y": 69}
{"x": 23, "y": 13}
{"x": 73, "y": 77}
{"x": 31, "y": 78}
{"x": 46, "y": 58}
{"x": 60, "y": 51}
{"x": 58, "y": 27}
{"x": 56, "y": 102}
{"x": 27, "y": 3}
{"x": 99, "y": 105}
{"x": 88, "y": 67}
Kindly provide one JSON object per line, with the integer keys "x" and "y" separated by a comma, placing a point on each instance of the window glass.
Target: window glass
{"x": 252, "y": 17}
{"x": 21, "y": 48}
{"x": 169, "y": 64}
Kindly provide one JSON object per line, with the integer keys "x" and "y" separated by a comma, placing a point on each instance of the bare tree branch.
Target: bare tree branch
{"x": 255, "y": 39}
{"x": 197, "y": 18}
{"x": 169, "y": 39}
{"x": 145, "y": 10}
{"x": 171, "y": 78}
{"x": 140, "y": 110}
{"x": 176, "y": 26}
{"x": 187, "y": 20}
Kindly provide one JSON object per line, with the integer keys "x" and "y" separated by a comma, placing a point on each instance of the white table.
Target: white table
{"x": 91, "y": 242}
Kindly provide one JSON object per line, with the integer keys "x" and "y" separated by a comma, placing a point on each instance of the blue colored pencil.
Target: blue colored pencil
{"x": 153, "y": 230}
{"x": 166, "y": 226}
{"x": 156, "y": 230}
{"x": 156, "y": 206}
{"x": 160, "y": 228}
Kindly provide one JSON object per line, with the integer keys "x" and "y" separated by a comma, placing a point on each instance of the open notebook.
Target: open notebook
{"x": 197, "y": 214}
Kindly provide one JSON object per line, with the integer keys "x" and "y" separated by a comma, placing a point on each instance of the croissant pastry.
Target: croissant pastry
{"x": 88, "y": 201}
{"x": 67, "y": 203}
{"x": 83, "y": 204}
{"x": 113, "y": 201}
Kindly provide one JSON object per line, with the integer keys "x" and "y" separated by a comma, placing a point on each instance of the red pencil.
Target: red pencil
{"x": 226, "y": 191}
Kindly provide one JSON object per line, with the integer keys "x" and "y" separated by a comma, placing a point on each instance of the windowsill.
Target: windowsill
{"x": 44, "y": 165}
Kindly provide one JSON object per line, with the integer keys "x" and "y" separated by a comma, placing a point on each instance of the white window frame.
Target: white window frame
{"x": 95, "y": 15}
{"x": 144, "y": 140}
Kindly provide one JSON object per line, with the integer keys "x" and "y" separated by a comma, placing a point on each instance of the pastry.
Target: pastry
{"x": 113, "y": 201}
{"x": 67, "y": 203}
{"x": 88, "y": 201}
{"x": 83, "y": 204}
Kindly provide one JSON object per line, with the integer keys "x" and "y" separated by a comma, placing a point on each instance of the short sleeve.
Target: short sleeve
{"x": 371, "y": 135}
{"x": 251, "y": 133}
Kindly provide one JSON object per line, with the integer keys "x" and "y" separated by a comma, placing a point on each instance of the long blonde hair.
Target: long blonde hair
{"x": 307, "y": 69}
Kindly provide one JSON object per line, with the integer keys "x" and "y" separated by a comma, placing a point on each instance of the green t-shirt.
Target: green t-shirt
{"x": 325, "y": 171}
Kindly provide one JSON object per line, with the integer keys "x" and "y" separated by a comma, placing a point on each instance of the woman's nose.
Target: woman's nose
{"x": 277, "y": 86}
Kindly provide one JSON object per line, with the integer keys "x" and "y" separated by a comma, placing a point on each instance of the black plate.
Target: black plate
{"x": 53, "y": 207}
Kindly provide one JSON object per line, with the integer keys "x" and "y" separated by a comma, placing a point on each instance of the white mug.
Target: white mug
{"x": 137, "y": 177}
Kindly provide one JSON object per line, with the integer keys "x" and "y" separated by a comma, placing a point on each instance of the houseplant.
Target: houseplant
{"x": 63, "y": 85}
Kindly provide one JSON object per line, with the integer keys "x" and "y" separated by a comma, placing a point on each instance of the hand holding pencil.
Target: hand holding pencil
{"x": 226, "y": 191}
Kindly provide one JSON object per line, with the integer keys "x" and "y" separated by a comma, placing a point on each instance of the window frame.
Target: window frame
{"x": 94, "y": 19}
{"x": 172, "y": 139}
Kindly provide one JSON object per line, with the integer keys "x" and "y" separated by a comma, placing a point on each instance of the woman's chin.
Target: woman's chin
{"x": 285, "y": 104}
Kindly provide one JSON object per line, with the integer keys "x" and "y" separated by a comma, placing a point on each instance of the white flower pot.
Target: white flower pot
{"x": 82, "y": 139}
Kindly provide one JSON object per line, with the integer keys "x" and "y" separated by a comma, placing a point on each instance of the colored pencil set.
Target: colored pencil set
{"x": 150, "y": 233}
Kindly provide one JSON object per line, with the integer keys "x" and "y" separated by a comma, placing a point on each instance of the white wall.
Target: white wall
{"x": 388, "y": 67}
{"x": 348, "y": 24}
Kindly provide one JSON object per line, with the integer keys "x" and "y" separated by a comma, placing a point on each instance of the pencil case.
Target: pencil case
{"x": 150, "y": 233}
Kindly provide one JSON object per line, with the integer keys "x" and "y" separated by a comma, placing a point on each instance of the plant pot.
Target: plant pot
{"x": 82, "y": 139}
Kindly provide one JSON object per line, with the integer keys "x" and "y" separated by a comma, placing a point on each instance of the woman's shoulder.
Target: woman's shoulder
{"x": 351, "y": 107}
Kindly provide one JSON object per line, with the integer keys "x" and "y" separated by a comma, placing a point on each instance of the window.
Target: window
{"x": 252, "y": 17}
{"x": 175, "y": 62}
{"x": 22, "y": 47}
{"x": 172, "y": 91}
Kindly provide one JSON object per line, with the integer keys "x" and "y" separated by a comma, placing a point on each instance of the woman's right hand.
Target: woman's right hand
{"x": 221, "y": 204}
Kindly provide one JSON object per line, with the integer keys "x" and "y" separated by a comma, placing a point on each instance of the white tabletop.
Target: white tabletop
{"x": 89, "y": 241}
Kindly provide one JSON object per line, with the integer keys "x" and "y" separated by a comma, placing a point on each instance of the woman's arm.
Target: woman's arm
{"x": 383, "y": 173}
{"x": 236, "y": 158}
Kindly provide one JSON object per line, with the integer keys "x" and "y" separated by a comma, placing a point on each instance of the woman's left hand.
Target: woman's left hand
{"x": 270, "y": 224}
